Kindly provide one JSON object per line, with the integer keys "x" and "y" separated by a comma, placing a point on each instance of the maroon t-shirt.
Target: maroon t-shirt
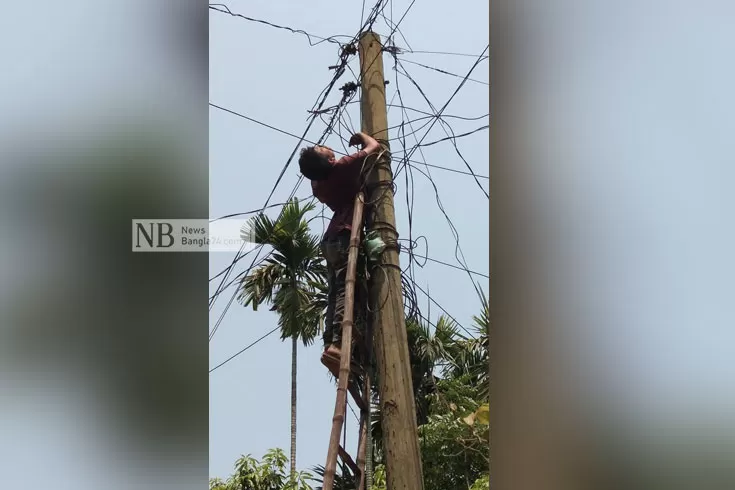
{"x": 338, "y": 191}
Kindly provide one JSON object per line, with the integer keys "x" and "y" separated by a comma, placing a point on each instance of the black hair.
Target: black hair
{"x": 313, "y": 165}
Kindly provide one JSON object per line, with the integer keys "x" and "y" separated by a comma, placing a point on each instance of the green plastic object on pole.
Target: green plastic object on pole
{"x": 374, "y": 246}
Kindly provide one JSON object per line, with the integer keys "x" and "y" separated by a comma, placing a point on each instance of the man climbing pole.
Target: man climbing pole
{"x": 336, "y": 183}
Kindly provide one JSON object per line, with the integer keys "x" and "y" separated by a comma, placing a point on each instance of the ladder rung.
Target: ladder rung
{"x": 348, "y": 460}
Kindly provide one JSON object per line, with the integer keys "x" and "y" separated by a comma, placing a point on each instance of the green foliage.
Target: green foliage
{"x": 346, "y": 481}
{"x": 453, "y": 445}
{"x": 473, "y": 354}
{"x": 293, "y": 279}
{"x": 450, "y": 381}
{"x": 449, "y": 373}
{"x": 379, "y": 478}
{"x": 268, "y": 474}
{"x": 343, "y": 480}
{"x": 481, "y": 483}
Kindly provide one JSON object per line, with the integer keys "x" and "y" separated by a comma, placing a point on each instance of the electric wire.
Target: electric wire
{"x": 330, "y": 39}
{"x": 344, "y": 56}
{"x": 443, "y": 71}
{"x": 407, "y": 163}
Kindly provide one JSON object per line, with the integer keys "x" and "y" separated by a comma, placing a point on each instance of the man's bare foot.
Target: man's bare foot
{"x": 331, "y": 358}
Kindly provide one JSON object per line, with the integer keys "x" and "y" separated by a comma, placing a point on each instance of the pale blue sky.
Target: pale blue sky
{"x": 275, "y": 76}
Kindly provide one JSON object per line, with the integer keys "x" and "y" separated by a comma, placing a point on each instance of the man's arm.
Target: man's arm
{"x": 369, "y": 147}
{"x": 369, "y": 144}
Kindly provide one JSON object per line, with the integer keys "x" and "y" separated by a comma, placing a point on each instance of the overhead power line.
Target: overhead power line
{"x": 344, "y": 57}
{"x": 261, "y": 123}
{"x": 412, "y": 51}
{"x": 443, "y": 71}
{"x": 440, "y": 112}
{"x": 330, "y": 39}
{"x": 452, "y": 266}
{"x": 453, "y": 138}
{"x": 432, "y": 117}
{"x": 242, "y": 351}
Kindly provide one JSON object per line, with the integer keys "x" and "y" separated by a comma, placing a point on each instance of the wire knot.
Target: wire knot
{"x": 394, "y": 50}
{"x": 349, "y": 49}
{"x": 349, "y": 88}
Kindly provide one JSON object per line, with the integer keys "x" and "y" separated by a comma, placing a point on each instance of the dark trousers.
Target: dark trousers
{"x": 335, "y": 250}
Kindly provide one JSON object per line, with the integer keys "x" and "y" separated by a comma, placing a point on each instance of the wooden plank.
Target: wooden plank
{"x": 357, "y": 397}
{"x": 348, "y": 460}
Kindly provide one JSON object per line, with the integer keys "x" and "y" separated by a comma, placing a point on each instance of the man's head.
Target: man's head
{"x": 316, "y": 162}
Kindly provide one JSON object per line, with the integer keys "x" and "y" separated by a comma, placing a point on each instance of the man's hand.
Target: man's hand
{"x": 369, "y": 144}
{"x": 357, "y": 139}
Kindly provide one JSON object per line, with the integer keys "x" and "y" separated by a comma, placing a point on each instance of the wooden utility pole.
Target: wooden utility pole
{"x": 397, "y": 404}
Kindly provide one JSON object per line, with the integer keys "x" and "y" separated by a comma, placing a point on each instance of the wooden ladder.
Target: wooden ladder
{"x": 346, "y": 383}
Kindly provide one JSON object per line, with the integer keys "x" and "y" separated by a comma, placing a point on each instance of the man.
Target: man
{"x": 336, "y": 183}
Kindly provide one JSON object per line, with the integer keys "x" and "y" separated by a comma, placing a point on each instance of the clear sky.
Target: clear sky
{"x": 274, "y": 76}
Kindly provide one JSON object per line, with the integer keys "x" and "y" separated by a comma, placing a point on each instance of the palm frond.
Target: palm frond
{"x": 260, "y": 285}
{"x": 343, "y": 480}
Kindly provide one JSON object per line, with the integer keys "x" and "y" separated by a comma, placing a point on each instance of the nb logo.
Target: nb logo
{"x": 153, "y": 234}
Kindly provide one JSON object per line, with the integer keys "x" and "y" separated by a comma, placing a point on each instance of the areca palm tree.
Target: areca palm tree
{"x": 292, "y": 280}
{"x": 473, "y": 357}
{"x": 429, "y": 351}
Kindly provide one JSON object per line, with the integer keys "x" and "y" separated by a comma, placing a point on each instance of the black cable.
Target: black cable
{"x": 344, "y": 58}
{"x": 458, "y": 250}
{"x": 411, "y": 256}
{"x": 225, "y": 270}
{"x": 395, "y": 27}
{"x": 257, "y": 122}
{"x": 362, "y": 12}
{"x": 392, "y": 127}
{"x": 345, "y": 153}
{"x": 446, "y": 104}
{"x": 443, "y": 71}
{"x": 438, "y": 114}
{"x": 409, "y": 188}
{"x": 429, "y": 114}
{"x": 251, "y": 212}
{"x": 428, "y": 119}
{"x": 390, "y": 24}
{"x": 243, "y": 350}
{"x": 244, "y": 273}
{"x": 441, "y": 53}
{"x": 410, "y": 300}
{"x": 454, "y": 137}
{"x": 330, "y": 39}
{"x": 220, "y": 288}
{"x": 339, "y": 71}
{"x": 452, "y": 266}
{"x": 273, "y": 189}
{"x": 443, "y": 310}
{"x": 413, "y": 245}
{"x": 414, "y": 131}
{"x": 450, "y": 170}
